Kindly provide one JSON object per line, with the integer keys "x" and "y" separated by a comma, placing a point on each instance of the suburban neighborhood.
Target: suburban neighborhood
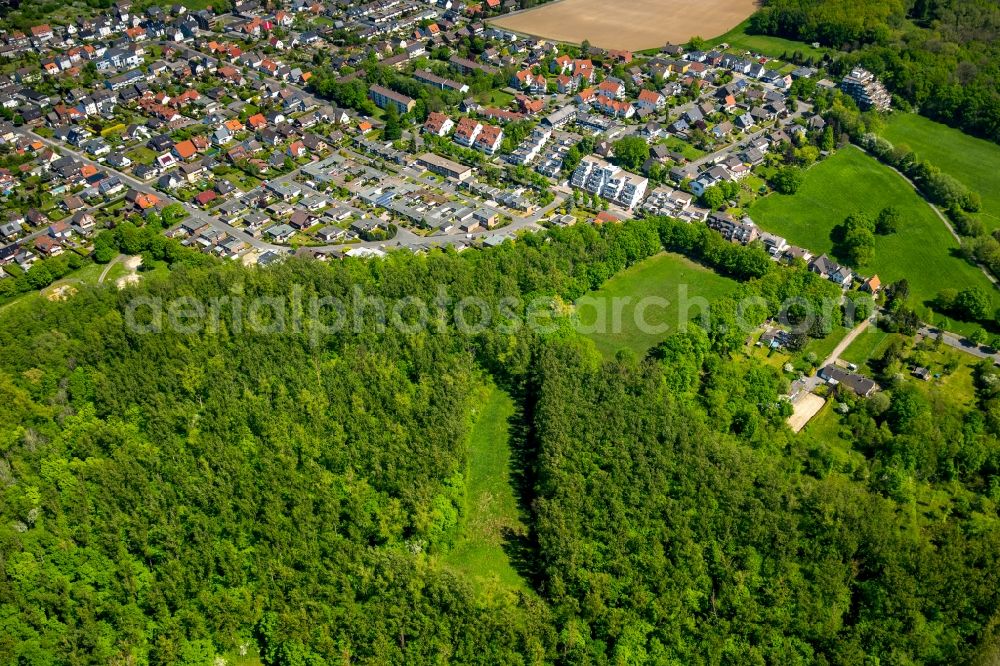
{"x": 338, "y": 130}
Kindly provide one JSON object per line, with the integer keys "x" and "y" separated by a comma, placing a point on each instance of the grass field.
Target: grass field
{"x": 84, "y": 276}
{"x": 683, "y": 147}
{"x": 497, "y": 98}
{"x": 665, "y": 276}
{"x": 774, "y": 47}
{"x": 634, "y": 25}
{"x": 141, "y": 155}
{"x": 849, "y": 181}
{"x": 867, "y": 346}
{"x": 974, "y": 162}
{"x": 825, "y": 428}
{"x": 491, "y": 511}
{"x": 953, "y": 389}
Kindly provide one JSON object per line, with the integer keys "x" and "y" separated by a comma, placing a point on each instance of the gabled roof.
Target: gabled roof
{"x": 185, "y": 149}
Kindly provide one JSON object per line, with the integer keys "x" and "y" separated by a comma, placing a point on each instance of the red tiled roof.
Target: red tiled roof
{"x": 185, "y": 149}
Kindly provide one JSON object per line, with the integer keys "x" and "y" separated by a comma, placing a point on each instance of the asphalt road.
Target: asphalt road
{"x": 960, "y": 343}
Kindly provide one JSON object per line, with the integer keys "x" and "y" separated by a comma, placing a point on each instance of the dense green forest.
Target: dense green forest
{"x": 941, "y": 56}
{"x": 216, "y": 490}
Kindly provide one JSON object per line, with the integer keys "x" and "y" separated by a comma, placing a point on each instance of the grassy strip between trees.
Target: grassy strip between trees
{"x": 491, "y": 516}
{"x": 922, "y": 251}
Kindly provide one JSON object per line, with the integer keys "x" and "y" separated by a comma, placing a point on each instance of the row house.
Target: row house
{"x": 429, "y": 78}
{"x": 384, "y": 97}
{"x": 667, "y": 201}
{"x": 737, "y": 231}
{"x": 614, "y": 107}
{"x": 501, "y": 115}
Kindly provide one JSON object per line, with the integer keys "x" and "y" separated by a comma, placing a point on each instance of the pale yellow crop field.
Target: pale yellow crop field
{"x": 629, "y": 24}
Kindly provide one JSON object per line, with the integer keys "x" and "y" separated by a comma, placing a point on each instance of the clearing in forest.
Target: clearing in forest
{"x": 633, "y": 25}
{"x": 642, "y": 321}
{"x": 491, "y": 521}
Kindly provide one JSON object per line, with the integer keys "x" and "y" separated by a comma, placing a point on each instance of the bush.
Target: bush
{"x": 965, "y": 224}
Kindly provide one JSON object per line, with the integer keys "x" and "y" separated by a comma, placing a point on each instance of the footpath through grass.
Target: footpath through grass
{"x": 676, "y": 280}
{"x": 922, "y": 251}
{"x": 973, "y": 162}
{"x": 491, "y": 518}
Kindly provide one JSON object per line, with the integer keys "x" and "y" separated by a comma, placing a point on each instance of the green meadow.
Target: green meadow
{"x": 666, "y": 276}
{"x": 923, "y": 251}
{"x": 973, "y": 162}
{"x": 491, "y": 516}
{"x": 775, "y": 47}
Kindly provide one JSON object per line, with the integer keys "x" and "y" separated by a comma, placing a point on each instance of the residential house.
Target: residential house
{"x": 650, "y": 99}
{"x": 48, "y": 246}
{"x": 859, "y": 384}
{"x": 467, "y": 131}
{"x": 831, "y": 270}
{"x": 438, "y": 124}
{"x": 489, "y": 139}
{"x": 185, "y": 150}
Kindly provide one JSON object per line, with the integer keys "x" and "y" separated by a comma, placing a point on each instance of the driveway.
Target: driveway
{"x": 846, "y": 342}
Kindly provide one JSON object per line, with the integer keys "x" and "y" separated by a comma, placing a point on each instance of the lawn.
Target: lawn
{"x": 774, "y": 47}
{"x": 8, "y": 303}
{"x": 116, "y": 272}
{"x": 665, "y": 276}
{"x": 156, "y": 270}
{"x": 141, "y": 155}
{"x": 683, "y": 147}
{"x": 497, "y": 98}
{"x": 974, "y": 162}
{"x": 491, "y": 515}
{"x": 241, "y": 180}
{"x": 870, "y": 344}
{"x": 952, "y": 388}
{"x": 850, "y": 181}
{"x": 825, "y": 428}
{"x": 86, "y": 275}
{"x": 823, "y": 347}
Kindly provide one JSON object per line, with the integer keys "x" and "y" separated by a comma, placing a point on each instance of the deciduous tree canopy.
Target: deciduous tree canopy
{"x": 171, "y": 497}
